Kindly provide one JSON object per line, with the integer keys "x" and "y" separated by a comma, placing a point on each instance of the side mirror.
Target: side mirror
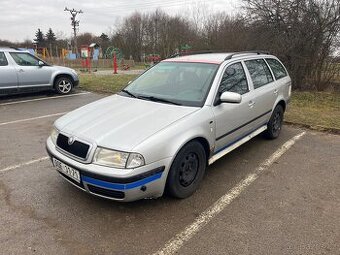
{"x": 40, "y": 63}
{"x": 230, "y": 97}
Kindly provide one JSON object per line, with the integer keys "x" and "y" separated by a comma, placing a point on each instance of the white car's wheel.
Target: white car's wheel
{"x": 63, "y": 85}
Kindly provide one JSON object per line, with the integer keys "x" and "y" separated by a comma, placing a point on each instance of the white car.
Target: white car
{"x": 22, "y": 72}
{"x": 169, "y": 124}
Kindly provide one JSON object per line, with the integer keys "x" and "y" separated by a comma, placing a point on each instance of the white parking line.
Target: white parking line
{"x": 174, "y": 244}
{"x": 30, "y": 119}
{"x": 23, "y": 164}
{"x": 44, "y": 98}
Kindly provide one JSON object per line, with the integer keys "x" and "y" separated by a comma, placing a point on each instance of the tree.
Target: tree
{"x": 50, "y": 36}
{"x": 104, "y": 37}
{"x": 301, "y": 33}
{"x": 39, "y": 38}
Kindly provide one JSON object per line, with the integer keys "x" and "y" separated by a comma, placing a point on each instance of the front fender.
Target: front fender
{"x": 167, "y": 142}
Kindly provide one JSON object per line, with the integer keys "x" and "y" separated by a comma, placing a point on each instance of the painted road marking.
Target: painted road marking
{"x": 174, "y": 244}
{"x": 30, "y": 119}
{"x": 9, "y": 168}
{"x": 44, "y": 98}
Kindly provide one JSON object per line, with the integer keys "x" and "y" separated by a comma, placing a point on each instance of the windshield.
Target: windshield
{"x": 174, "y": 83}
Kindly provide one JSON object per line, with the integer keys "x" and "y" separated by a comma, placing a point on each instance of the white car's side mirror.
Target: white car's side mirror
{"x": 230, "y": 97}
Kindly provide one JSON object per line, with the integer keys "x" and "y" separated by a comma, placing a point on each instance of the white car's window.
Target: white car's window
{"x": 177, "y": 82}
{"x": 278, "y": 70}
{"x": 259, "y": 72}
{"x": 3, "y": 59}
{"x": 24, "y": 59}
{"x": 234, "y": 80}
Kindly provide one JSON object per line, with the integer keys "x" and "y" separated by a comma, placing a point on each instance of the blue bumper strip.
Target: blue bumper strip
{"x": 119, "y": 186}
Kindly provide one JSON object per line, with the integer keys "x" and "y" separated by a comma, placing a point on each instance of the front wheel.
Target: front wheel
{"x": 274, "y": 125}
{"x": 187, "y": 170}
{"x": 63, "y": 85}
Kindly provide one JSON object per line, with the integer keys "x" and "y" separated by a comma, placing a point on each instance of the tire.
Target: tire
{"x": 63, "y": 85}
{"x": 187, "y": 170}
{"x": 274, "y": 125}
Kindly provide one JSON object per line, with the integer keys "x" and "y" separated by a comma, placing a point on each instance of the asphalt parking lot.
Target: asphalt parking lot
{"x": 291, "y": 207}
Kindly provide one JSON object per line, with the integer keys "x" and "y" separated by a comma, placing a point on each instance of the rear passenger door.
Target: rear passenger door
{"x": 8, "y": 74}
{"x": 265, "y": 90}
{"x": 283, "y": 81}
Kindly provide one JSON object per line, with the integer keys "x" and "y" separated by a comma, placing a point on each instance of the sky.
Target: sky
{"x": 20, "y": 19}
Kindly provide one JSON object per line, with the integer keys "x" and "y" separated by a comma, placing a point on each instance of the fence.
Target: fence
{"x": 77, "y": 63}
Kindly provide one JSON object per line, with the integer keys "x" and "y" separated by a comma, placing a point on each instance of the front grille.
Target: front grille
{"x": 77, "y": 148}
{"x": 106, "y": 192}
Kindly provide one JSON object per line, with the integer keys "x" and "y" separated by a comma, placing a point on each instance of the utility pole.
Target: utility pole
{"x": 75, "y": 25}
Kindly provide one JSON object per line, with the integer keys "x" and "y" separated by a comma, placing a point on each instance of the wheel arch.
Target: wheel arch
{"x": 62, "y": 75}
{"x": 282, "y": 103}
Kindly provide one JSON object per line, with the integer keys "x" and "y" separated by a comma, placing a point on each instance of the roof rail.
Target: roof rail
{"x": 179, "y": 54}
{"x": 257, "y": 52}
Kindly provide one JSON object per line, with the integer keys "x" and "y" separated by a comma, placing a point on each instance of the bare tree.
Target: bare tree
{"x": 301, "y": 32}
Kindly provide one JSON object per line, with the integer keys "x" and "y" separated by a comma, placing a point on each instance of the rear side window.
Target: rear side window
{"x": 278, "y": 70}
{"x": 259, "y": 72}
{"x": 3, "y": 59}
{"x": 234, "y": 80}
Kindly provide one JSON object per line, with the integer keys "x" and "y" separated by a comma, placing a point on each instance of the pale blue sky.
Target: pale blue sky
{"x": 20, "y": 19}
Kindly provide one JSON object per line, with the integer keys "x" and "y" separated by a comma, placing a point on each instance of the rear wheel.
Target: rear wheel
{"x": 63, "y": 85}
{"x": 187, "y": 170}
{"x": 274, "y": 125}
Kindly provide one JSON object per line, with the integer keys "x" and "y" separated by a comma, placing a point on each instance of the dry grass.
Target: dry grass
{"x": 316, "y": 109}
{"x": 104, "y": 83}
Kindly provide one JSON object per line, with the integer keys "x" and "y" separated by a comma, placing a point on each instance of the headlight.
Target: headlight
{"x": 118, "y": 159}
{"x": 135, "y": 160}
{"x": 54, "y": 135}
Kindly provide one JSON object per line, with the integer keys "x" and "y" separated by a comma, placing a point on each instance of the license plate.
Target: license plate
{"x": 68, "y": 171}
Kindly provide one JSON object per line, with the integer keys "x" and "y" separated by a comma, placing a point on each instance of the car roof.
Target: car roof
{"x": 216, "y": 58}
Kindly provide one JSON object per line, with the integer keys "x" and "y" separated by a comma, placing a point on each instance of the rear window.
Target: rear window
{"x": 278, "y": 70}
{"x": 3, "y": 59}
{"x": 259, "y": 72}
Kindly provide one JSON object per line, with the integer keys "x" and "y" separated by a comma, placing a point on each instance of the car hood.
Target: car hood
{"x": 119, "y": 122}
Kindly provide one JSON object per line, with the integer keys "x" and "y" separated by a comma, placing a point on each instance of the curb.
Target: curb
{"x": 335, "y": 131}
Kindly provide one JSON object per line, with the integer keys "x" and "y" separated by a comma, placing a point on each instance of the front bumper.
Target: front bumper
{"x": 116, "y": 184}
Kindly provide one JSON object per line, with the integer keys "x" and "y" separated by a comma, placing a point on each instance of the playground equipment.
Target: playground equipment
{"x": 153, "y": 58}
{"x": 42, "y": 52}
{"x": 85, "y": 52}
{"x": 110, "y": 52}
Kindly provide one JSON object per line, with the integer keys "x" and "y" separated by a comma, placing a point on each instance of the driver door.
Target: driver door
{"x": 232, "y": 119}
{"x": 30, "y": 74}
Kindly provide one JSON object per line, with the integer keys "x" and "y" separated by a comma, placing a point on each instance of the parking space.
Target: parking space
{"x": 291, "y": 208}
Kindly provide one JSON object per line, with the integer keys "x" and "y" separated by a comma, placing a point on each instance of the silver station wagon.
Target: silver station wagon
{"x": 22, "y": 72}
{"x": 162, "y": 131}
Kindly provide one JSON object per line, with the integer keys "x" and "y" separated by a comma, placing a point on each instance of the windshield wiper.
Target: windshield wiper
{"x": 157, "y": 99}
{"x": 128, "y": 92}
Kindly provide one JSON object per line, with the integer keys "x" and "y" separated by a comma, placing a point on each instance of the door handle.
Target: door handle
{"x": 251, "y": 104}
{"x": 276, "y": 91}
{"x": 21, "y": 70}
